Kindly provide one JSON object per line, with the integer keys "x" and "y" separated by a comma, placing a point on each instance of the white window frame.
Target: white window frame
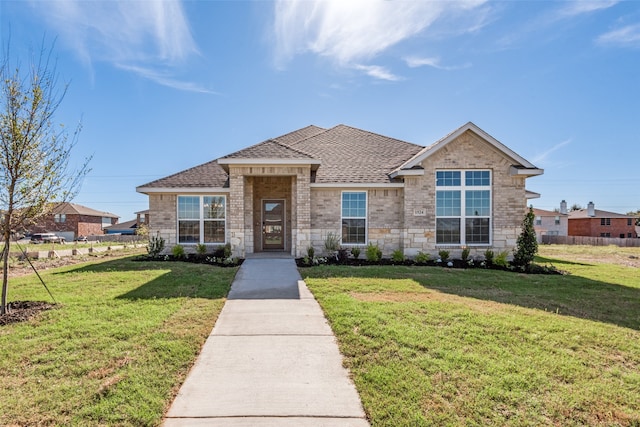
{"x": 366, "y": 218}
{"x": 201, "y": 219}
{"x": 463, "y": 188}
{"x": 60, "y": 218}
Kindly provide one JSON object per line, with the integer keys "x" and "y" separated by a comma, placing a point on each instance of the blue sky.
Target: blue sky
{"x": 164, "y": 86}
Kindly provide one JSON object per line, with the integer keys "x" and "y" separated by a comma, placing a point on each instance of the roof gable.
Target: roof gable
{"x": 520, "y": 167}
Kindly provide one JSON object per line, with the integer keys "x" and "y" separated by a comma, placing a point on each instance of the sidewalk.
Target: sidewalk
{"x": 271, "y": 359}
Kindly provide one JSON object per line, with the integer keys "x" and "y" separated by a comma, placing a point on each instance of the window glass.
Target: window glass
{"x": 201, "y": 219}
{"x": 477, "y": 178}
{"x": 448, "y": 178}
{"x": 188, "y": 207}
{"x": 354, "y": 205}
{"x": 478, "y": 203}
{"x": 448, "y": 230}
{"x": 354, "y": 217}
{"x": 463, "y": 214}
{"x": 448, "y": 203}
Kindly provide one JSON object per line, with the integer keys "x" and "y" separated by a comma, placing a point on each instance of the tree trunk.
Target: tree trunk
{"x": 5, "y": 274}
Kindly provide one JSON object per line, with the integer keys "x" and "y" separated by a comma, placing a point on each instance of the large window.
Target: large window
{"x": 60, "y": 218}
{"x": 201, "y": 219}
{"x": 354, "y": 217}
{"x": 463, "y": 207}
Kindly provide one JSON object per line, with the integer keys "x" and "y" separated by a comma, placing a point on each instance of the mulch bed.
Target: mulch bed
{"x": 21, "y": 311}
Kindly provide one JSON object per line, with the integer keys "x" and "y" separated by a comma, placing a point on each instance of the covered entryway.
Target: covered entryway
{"x": 273, "y": 224}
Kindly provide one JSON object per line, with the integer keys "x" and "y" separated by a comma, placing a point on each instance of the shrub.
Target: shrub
{"x": 444, "y": 255}
{"x": 422, "y": 258}
{"x": 156, "y": 245}
{"x": 178, "y": 251}
{"x": 397, "y": 256}
{"x": 527, "y": 244}
{"x": 201, "y": 248}
{"x": 355, "y": 251}
{"x": 488, "y": 256}
{"x": 501, "y": 259}
{"x": 227, "y": 250}
{"x": 465, "y": 254}
{"x": 373, "y": 253}
{"x": 331, "y": 243}
{"x": 342, "y": 255}
{"x": 310, "y": 252}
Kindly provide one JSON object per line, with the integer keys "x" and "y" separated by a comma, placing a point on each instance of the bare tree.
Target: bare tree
{"x": 34, "y": 153}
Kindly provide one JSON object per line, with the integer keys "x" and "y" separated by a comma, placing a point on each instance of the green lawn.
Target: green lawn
{"x": 434, "y": 346}
{"x": 115, "y": 350}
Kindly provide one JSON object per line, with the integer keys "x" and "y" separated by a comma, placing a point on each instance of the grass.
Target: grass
{"x": 431, "y": 346}
{"x": 116, "y": 349}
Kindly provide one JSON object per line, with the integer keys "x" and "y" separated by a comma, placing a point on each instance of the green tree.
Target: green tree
{"x": 34, "y": 153}
{"x": 527, "y": 244}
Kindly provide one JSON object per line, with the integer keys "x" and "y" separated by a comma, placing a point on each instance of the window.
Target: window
{"x": 557, "y": 220}
{"x": 605, "y": 234}
{"x": 463, "y": 207}
{"x": 354, "y": 217}
{"x": 629, "y": 221}
{"x": 60, "y": 218}
{"x": 630, "y": 235}
{"x": 106, "y": 221}
{"x": 538, "y": 220}
{"x": 201, "y": 219}
{"x": 605, "y": 221}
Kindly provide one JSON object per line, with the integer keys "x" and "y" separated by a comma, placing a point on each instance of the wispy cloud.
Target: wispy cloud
{"x": 165, "y": 79}
{"x": 134, "y": 35}
{"x": 543, "y": 157}
{"x": 627, "y": 36}
{"x": 350, "y": 33}
{"x": 415, "y": 62}
{"x": 377, "y": 72}
{"x": 579, "y": 7}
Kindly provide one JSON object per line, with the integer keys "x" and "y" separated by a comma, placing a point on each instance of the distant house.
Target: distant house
{"x": 127, "y": 227}
{"x": 596, "y": 223}
{"x": 292, "y": 192}
{"x": 551, "y": 223}
{"x": 70, "y": 220}
{"x": 142, "y": 217}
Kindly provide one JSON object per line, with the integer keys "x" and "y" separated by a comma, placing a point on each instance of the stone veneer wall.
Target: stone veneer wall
{"x": 384, "y": 216}
{"x": 468, "y": 151}
{"x": 250, "y": 184}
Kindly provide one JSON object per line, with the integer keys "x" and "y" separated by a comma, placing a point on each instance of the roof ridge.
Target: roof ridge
{"x": 376, "y": 134}
{"x": 288, "y": 147}
{"x": 179, "y": 172}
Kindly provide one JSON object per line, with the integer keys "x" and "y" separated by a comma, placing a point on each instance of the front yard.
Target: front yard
{"x": 436, "y": 346}
{"x": 116, "y": 348}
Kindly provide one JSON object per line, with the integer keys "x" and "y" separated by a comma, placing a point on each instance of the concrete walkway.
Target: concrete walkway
{"x": 271, "y": 359}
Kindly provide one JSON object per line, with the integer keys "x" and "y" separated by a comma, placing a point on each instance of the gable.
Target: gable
{"x": 480, "y": 141}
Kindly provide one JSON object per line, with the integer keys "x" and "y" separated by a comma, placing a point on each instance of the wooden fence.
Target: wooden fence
{"x": 590, "y": 241}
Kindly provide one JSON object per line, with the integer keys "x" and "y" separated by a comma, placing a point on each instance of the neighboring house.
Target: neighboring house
{"x": 142, "y": 217}
{"x": 289, "y": 193}
{"x": 551, "y": 223}
{"x": 71, "y": 220}
{"x": 127, "y": 227}
{"x": 596, "y": 223}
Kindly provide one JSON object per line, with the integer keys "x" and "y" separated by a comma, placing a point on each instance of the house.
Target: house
{"x": 551, "y": 223}
{"x": 597, "y": 223}
{"x": 126, "y": 227}
{"x": 291, "y": 192}
{"x": 70, "y": 220}
{"x": 142, "y": 217}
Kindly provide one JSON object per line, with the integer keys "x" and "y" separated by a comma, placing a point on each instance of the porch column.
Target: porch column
{"x": 236, "y": 210}
{"x": 302, "y": 232}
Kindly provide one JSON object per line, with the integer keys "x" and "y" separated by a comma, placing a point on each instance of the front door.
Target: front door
{"x": 273, "y": 224}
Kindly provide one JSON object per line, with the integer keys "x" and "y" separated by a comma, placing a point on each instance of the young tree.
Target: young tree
{"x": 527, "y": 244}
{"x": 34, "y": 154}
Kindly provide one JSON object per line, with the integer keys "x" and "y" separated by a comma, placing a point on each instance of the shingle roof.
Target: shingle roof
{"x": 209, "y": 174}
{"x": 584, "y": 213}
{"x": 68, "y": 208}
{"x": 270, "y": 149}
{"x": 351, "y": 155}
{"x": 300, "y": 134}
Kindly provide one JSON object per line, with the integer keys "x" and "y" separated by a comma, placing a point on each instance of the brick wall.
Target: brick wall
{"x": 79, "y": 225}
{"x": 592, "y": 227}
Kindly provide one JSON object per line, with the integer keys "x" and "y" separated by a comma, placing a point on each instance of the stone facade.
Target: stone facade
{"x": 401, "y": 209}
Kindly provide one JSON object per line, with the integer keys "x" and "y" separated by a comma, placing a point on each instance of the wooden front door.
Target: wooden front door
{"x": 273, "y": 221}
